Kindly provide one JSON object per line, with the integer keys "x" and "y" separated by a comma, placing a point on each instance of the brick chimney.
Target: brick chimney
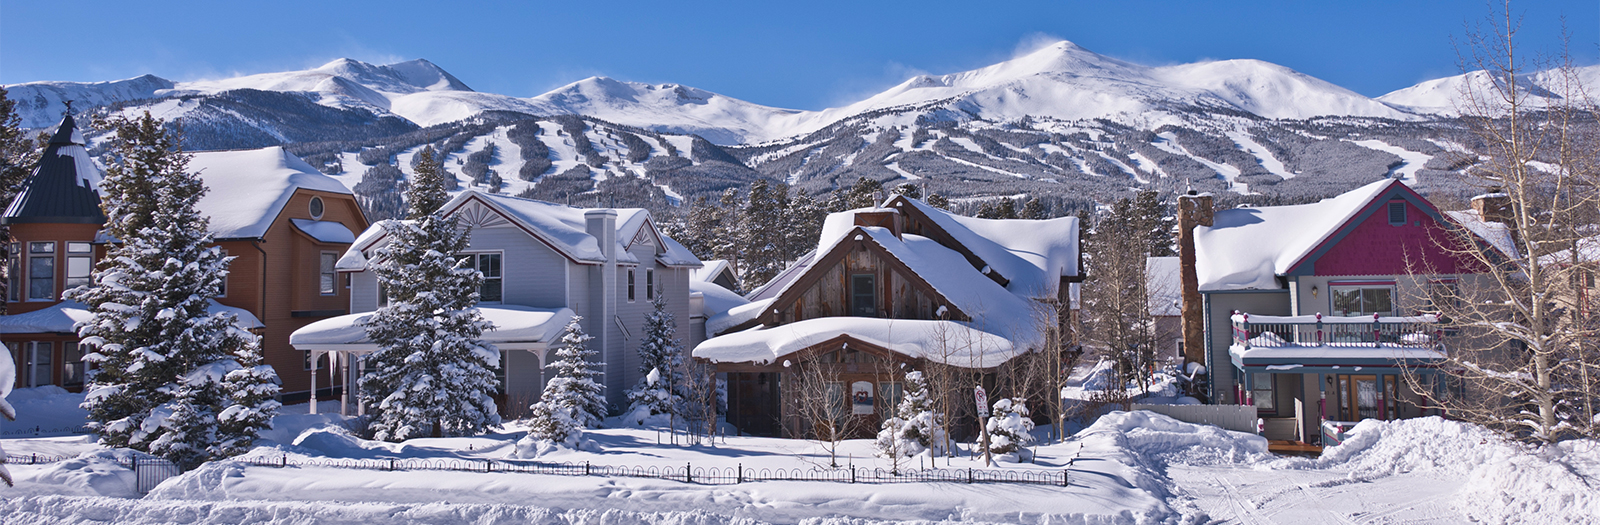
{"x": 883, "y": 217}
{"x": 1495, "y": 206}
{"x": 1194, "y": 209}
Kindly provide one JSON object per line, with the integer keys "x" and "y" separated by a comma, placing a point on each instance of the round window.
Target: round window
{"x": 316, "y": 208}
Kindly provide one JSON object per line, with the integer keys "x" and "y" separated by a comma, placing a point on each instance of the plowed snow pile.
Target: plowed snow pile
{"x": 1502, "y": 481}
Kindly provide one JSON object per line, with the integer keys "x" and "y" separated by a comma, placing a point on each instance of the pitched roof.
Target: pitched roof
{"x": 1247, "y": 248}
{"x": 60, "y": 318}
{"x": 1031, "y": 255}
{"x": 561, "y": 227}
{"x": 63, "y": 187}
{"x": 248, "y": 189}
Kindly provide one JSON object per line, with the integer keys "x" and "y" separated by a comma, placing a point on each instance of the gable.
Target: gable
{"x": 824, "y": 289}
{"x": 1370, "y": 244}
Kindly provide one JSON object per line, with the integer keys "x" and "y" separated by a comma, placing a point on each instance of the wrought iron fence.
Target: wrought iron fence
{"x": 150, "y": 472}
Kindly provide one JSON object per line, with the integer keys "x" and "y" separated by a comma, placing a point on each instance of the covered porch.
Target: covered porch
{"x": 1306, "y": 374}
{"x": 521, "y": 333}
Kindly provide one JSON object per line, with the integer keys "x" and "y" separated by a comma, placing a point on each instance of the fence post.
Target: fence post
{"x": 741, "y": 473}
{"x": 391, "y": 464}
{"x": 35, "y": 460}
{"x": 488, "y": 465}
{"x": 1377, "y": 340}
{"x": 852, "y": 473}
{"x": 1064, "y": 477}
{"x": 688, "y": 473}
{"x": 585, "y": 468}
{"x": 284, "y": 461}
{"x": 969, "y": 475}
{"x": 1319, "y": 328}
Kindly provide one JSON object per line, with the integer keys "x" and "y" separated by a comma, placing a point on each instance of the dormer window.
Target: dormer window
{"x": 316, "y": 208}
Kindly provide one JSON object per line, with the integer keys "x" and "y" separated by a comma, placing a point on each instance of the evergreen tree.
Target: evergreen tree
{"x": 726, "y": 238}
{"x": 165, "y": 383}
{"x": 939, "y": 201}
{"x": 432, "y": 369}
{"x": 663, "y": 387}
{"x": 1034, "y": 210}
{"x": 1156, "y": 222}
{"x": 804, "y": 219}
{"x": 909, "y": 189}
{"x": 864, "y": 194}
{"x": 1006, "y": 209}
{"x": 762, "y": 233}
{"x": 573, "y": 392}
{"x": 916, "y": 426}
{"x": 1009, "y": 427}
{"x": 16, "y": 158}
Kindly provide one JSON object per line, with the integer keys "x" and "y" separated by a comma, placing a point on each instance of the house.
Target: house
{"x": 1164, "y": 287}
{"x": 1312, "y": 312}
{"x": 896, "y": 286}
{"x": 282, "y": 220}
{"x": 542, "y": 263}
{"x": 718, "y": 272}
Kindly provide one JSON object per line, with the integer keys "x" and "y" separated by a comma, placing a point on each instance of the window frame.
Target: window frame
{"x": 14, "y": 277}
{"x": 479, "y": 265}
{"x": 327, "y": 273}
{"x": 316, "y": 208}
{"x": 74, "y": 368}
{"x": 856, "y": 294}
{"x": 49, "y": 255}
{"x": 1336, "y": 288}
{"x": 86, "y": 254}
{"x": 1264, "y": 397}
{"x": 650, "y": 283}
{"x": 630, "y": 285}
{"x": 1397, "y": 208}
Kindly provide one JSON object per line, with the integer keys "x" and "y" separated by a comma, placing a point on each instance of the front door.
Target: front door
{"x": 1358, "y": 397}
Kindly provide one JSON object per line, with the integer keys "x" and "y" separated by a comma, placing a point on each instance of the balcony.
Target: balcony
{"x": 1317, "y": 343}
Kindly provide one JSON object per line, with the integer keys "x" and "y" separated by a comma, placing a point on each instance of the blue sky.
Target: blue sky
{"x": 803, "y": 55}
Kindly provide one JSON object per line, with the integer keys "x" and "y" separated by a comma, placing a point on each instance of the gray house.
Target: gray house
{"x": 542, "y": 264}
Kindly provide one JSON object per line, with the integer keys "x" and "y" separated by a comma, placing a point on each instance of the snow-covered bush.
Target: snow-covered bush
{"x": 661, "y": 391}
{"x": 1009, "y": 429}
{"x": 432, "y": 371}
{"x": 915, "y": 428}
{"x": 573, "y": 388}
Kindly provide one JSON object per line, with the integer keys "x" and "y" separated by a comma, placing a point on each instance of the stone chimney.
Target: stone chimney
{"x": 1495, "y": 206}
{"x": 1194, "y": 209}
{"x": 882, "y": 217}
{"x": 602, "y": 225}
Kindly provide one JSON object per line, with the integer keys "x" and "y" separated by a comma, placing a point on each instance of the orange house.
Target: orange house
{"x": 283, "y": 221}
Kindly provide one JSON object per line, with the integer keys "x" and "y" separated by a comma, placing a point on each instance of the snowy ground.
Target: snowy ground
{"x": 1130, "y": 468}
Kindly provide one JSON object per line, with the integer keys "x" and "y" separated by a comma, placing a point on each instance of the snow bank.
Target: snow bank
{"x": 1168, "y": 440}
{"x": 98, "y": 473}
{"x": 1504, "y": 481}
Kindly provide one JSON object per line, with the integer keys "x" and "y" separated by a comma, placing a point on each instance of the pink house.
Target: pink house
{"x": 1311, "y": 312}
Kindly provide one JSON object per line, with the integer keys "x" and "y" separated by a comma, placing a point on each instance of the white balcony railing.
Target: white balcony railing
{"x": 1250, "y": 331}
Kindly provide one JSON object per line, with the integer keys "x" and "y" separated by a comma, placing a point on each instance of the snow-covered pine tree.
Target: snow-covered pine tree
{"x": 804, "y": 225}
{"x": 151, "y": 333}
{"x": 432, "y": 370}
{"x": 662, "y": 389}
{"x": 762, "y": 234}
{"x": 727, "y": 239}
{"x": 1009, "y": 427}
{"x": 574, "y": 386}
{"x": 918, "y": 426}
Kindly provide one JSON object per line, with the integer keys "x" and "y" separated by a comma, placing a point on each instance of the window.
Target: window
{"x": 222, "y": 291}
{"x": 488, "y": 264}
{"x": 1442, "y": 294}
{"x": 316, "y": 208}
{"x": 630, "y": 285}
{"x": 327, "y": 274}
{"x": 863, "y": 295}
{"x": 1261, "y": 391}
{"x": 650, "y": 284}
{"x": 500, "y": 372}
{"x": 41, "y": 271}
{"x": 80, "y": 263}
{"x": 383, "y": 295}
{"x": 1397, "y": 213}
{"x": 13, "y": 272}
{"x": 38, "y": 365}
{"x": 889, "y": 396}
{"x": 72, "y": 361}
{"x": 1362, "y": 300}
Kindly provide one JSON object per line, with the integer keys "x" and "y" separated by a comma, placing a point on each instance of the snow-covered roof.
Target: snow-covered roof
{"x": 1495, "y": 233}
{"x": 1165, "y": 285}
{"x": 1247, "y": 248}
{"x": 247, "y": 189}
{"x": 560, "y": 226}
{"x": 1032, "y": 255}
{"x": 325, "y": 231}
{"x": 736, "y": 316}
{"x": 709, "y": 270}
{"x": 716, "y": 299}
{"x": 60, "y": 318}
{"x": 62, "y": 187}
{"x": 968, "y": 346}
{"x": 778, "y": 283}
{"x": 512, "y": 324}
{"x": 1588, "y": 252}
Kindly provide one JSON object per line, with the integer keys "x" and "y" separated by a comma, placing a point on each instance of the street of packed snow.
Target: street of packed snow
{"x": 1127, "y": 467}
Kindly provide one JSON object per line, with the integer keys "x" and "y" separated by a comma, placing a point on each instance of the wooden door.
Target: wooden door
{"x": 1358, "y": 397}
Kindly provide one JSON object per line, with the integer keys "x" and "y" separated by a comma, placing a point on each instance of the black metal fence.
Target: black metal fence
{"x": 152, "y": 471}
{"x": 41, "y": 431}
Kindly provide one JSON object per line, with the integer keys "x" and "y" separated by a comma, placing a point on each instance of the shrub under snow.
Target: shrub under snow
{"x": 1009, "y": 430}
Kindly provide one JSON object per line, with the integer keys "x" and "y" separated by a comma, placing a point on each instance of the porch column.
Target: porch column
{"x": 1322, "y": 399}
{"x": 344, "y": 380}
{"x": 314, "y": 357}
{"x": 1383, "y": 404}
{"x": 361, "y": 366}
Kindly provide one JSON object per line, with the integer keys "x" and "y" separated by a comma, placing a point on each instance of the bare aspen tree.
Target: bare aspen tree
{"x": 821, "y": 399}
{"x": 1524, "y": 360}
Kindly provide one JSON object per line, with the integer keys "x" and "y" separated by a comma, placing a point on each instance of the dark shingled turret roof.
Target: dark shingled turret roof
{"x": 62, "y": 188}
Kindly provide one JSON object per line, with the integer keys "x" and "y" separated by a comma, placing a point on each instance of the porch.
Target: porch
{"x": 1354, "y": 368}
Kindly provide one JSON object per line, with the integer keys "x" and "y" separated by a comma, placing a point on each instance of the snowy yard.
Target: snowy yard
{"x": 1130, "y": 468}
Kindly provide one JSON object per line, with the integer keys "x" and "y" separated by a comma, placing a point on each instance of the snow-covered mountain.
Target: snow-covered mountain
{"x": 1445, "y": 96}
{"x": 40, "y": 104}
{"x": 670, "y": 108}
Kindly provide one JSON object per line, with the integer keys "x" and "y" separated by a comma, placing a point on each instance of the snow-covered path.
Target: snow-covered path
{"x": 1310, "y": 497}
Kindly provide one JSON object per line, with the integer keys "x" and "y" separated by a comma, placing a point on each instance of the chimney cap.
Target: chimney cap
{"x": 600, "y": 212}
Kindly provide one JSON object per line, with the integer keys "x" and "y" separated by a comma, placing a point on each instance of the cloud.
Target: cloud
{"x": 1033, "y": 42}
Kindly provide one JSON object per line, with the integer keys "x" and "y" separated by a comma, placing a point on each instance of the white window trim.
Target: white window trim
{"x": 631, "y": 281}
{"x": 502, "y": 277}
{"x": 333, "y": 271}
